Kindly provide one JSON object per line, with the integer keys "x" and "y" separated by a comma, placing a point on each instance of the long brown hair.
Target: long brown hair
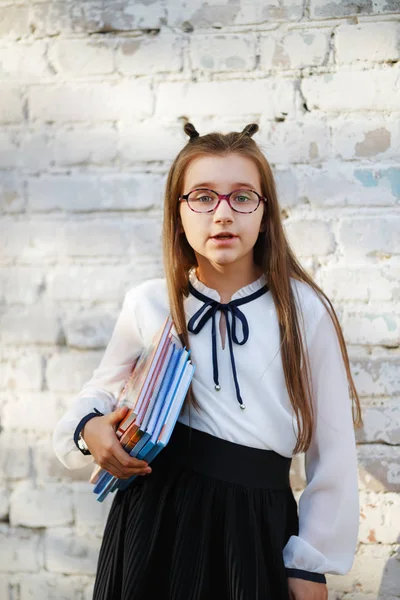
{"x": 272, "y": 254}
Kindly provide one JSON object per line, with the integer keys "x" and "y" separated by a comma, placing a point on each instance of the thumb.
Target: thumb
{"x": 117, "y": 415}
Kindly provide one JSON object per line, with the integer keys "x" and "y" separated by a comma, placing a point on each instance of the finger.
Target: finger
{"x": 125, "y": 474}
{"x": 127, "y": 471}
{"x": 124, "y": 459}
{"x": 117, "y": 415}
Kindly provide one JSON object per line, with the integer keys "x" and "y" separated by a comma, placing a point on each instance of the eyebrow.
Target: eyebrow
{"x": 212, "y": 184}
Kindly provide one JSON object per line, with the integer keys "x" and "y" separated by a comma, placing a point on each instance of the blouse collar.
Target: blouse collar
{"x": 241, "y": 293}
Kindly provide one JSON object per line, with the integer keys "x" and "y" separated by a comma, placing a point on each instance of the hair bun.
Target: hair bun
{"x": 250, "y": 129}
{"x": 190, "y": 130}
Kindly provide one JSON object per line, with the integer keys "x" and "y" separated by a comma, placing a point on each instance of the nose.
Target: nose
{"x": 223, "y": 211}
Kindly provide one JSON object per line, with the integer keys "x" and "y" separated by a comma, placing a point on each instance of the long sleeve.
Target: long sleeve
{"x": 329, "y": 504}
{"x": 100, "y": 393}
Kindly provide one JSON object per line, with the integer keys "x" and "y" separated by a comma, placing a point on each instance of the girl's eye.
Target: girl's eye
{"x": 204, "y": 199}
{"x": 241, "y": 199}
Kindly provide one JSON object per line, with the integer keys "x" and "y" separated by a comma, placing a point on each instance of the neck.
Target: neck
{"x": 227, "y": 279}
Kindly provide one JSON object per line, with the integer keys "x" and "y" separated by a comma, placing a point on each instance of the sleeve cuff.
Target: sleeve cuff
{"x": 308, "y": 575}
{"x": 83, "y": 422}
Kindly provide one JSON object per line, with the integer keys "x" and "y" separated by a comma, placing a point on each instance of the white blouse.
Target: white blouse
{"x": 329, "y": 504}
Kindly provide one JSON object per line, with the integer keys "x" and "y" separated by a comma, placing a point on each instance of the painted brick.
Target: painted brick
{"x": 307, "y": 141}
{"x": 21, "y": 285}
{"x": 153, "y": 140}
{"x": 30, "y": 325}
{"x": 200, "y": 16}
{"x": 337, "y": 8}
{"x": 148, "y": 55}
{"x": 219, "y": 14}
{"x": 11, "y": 193}
{"x": 11, "y": 104}
{"x": 378, "y": 376}
{"x": 223, "y": 53}
{"x": 24, "y": 61}
{"x": 48, "y": 409}
{"x": 375, "y": 571}
{"x": 378, "y": 468}
{"x": 14, "y": 22}
{"x": 373, "y": 90}
{"x": 94, "y": 281}
{"x": 82, "y": 57}
{"x": 4, "y": 504}
{"x": 381, "y": 423}
{"x": 19, "y": 550}
{"x": 40, "y": 506}
{"x": 69, "y": 553}
{"x": 85, "y": 146}
{"x": 88, "y": 594}
{"x": 9, "y": 149}
{"x": 336, "y": 184}
{"x": 48, "y": 469}
{"x": 366, "y": 138}
{"x": 286, "y": 187}
{"x": 5, "y": 591}
{"x": 267, "y": 97}
{"x": 90, "y": 515}
{"x": 22, "y": 372}
{"x": 94, "y": 193}
{"x": 14, "y": 456}
{"x": 36, "y": 152}
{"x": 52, "y": 587}
{"x": 310, "y": 237}
{"x": 367, "y": 42}
{"x": 369, "y": 237}
{"x": 365, "y": 284}
{"x": 89, "y": 330}
{"x": 41, "y": 149}
{"x": 297, "y": 49}
{"x": 27, "y": 241}
{"x": 68, "y": 372}
{"x": 297, "y": 472}
{"x": 51, "y": 241}
{"x": 372, "y": 325}
{"x": 92, "y": 17}
{"x": 99, "y": 101}
{"x": 113, "y": 238}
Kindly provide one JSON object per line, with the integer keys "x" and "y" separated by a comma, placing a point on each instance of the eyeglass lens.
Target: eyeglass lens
{"x": 206, "y": 200}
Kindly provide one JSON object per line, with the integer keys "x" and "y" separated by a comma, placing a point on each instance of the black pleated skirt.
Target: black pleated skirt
{"x": 209, "y": 523}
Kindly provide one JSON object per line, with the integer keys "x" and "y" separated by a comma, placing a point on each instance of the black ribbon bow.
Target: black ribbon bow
{"x": 208, "y": 311}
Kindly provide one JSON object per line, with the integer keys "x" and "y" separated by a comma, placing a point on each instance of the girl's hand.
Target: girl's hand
{"x": 301, "y": 589}
{"x": 105, "y": 447}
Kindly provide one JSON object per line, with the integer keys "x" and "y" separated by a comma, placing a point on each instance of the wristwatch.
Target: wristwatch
{"x": 78, "y": 439}
{"x": 82, "y": 445}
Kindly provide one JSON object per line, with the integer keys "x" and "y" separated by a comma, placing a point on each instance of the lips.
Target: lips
{"x": 223, "y": 236}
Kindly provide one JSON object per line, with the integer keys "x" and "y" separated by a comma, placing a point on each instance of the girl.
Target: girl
{"x": 214, "y": 516}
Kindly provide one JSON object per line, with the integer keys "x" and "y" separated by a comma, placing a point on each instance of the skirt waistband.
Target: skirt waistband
{"x": 227, "y": 461}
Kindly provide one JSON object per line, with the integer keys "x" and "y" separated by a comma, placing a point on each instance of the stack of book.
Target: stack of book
{"x": 154, "y": 393}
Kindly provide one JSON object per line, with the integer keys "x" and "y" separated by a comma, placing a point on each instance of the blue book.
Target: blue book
{"x": 108, "y": 482}
{"x": 169, "y": 423}
{"x": 167, "y": 404}
{"x": 172, "y": 418}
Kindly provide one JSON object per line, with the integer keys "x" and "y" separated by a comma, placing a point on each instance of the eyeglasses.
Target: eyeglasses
{"x": 203, "y": 200}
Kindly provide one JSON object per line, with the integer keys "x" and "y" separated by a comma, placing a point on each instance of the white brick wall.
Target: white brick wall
{"x": 91, "y": 106}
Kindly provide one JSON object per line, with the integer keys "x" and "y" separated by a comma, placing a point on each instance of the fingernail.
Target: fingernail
{"x": 148, "y": 469}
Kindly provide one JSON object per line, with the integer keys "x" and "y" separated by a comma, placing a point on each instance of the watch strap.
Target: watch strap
{"x": 82, "y": 423}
